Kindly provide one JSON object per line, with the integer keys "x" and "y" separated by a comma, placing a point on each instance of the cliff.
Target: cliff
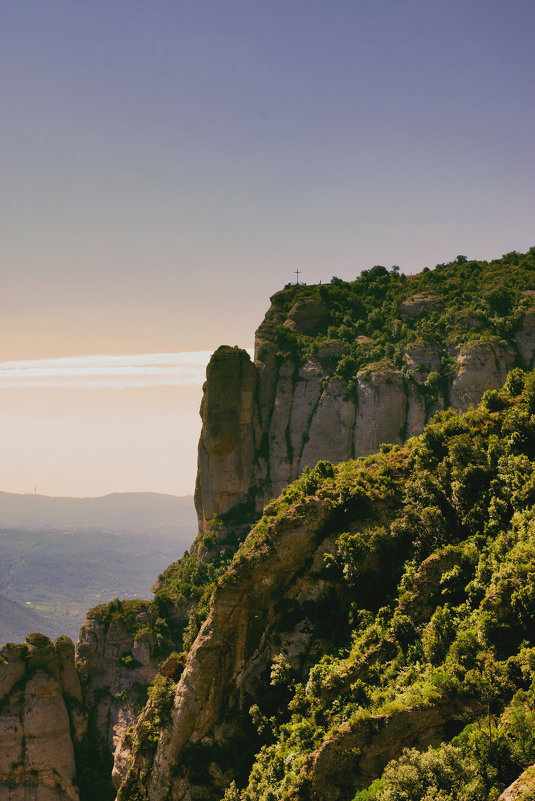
{"x": 340, "y": 369}
{"x": 118, "y": 658}
{"x": 42, "y": 719}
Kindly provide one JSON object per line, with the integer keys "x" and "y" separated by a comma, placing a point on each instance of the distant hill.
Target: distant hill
{"x": 17, "y": 621}
{"x": 64, "y": 555}
{"x": 122, "y": 511}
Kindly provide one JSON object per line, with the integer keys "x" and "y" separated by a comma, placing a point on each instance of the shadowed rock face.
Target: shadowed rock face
{"x": 522, "y": 789}
{"x": 40, "y": 719}
{"x": 304, "y": 315}
{"x": 226, "y": 446}
{"x": 116, "y": 660}
{"x": 525, "y": 340}
{"x": 337, "y": 772}
{"x": 234, "y": 649}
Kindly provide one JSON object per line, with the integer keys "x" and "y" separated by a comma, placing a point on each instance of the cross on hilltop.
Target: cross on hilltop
{"x": 297, "y": 275}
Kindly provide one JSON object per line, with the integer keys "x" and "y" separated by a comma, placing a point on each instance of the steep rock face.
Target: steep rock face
{"x": 421, "y": 359}
{"x": 306, "y": 398}
{"x": 226, "y": 446}
{"x": 381, "y": 408}
{"x": 336, "y": 771}
{"x": 40, "y": 720}
{"x": 481, "y": 366}
{"x": 525, "y": 339}
{"x": 117, "y": 660}
{"x": 522, "y": 789}
{"x": 330, "y": 433}
{"x": 227, "y": 666}
{"x": 263, "y": 422}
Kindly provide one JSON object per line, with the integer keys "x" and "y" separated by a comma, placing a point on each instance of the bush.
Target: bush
{"x": 434, "y": 775}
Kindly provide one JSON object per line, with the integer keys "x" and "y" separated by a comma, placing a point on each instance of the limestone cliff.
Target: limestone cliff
{"x": 41, "y": 720}
{"x": 263, "y": 421}
{"x": 522, "y": 789}
{"x": 246, "y": 628}
{"x": 226, "y": 447}
{"x": 118, "y": 655}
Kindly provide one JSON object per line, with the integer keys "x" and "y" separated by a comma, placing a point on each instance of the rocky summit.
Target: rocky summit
{"x": 356, "y": 618}
{"x": 341, "y": 368}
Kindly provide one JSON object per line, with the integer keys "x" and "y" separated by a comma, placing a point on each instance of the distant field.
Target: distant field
{"x": 61, "y": 574}
{"x": 61, "y": 556}
{"x": 16, "y": 621}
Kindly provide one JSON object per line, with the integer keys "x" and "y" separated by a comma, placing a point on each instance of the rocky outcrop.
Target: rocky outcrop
{"x": 381, "y": 408}
{"x": 41, "y": 720}
{"x": 421, "y": 359}
{"x": 420, "y": 304}
{"x": 264, "y": 421}
{"x": 525, "y": 340}
{"x": 230, "y": 661}
{"x": 226, "y": 446}
{"x": 117, "y": 656}
{"x": 352, "y": 758}
{"x": 305, "y": 315}
{"x": 480, "y": 366}
{"x": 522, "y": 789}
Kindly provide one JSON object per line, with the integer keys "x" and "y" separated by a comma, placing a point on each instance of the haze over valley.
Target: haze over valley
{"x": 61, "y": 556}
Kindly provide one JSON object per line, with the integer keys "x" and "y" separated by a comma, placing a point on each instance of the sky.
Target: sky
{"x": 166, "y": 166}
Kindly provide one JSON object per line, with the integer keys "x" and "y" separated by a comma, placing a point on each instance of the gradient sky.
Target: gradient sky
{"x": 166, "y": 166}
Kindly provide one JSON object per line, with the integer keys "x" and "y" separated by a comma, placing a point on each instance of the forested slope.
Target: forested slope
{"x": 378, "y": 605}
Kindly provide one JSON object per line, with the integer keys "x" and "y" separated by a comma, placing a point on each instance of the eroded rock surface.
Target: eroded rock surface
{"x": 41, "y": 719}
{"x": 419, "y": 304}
{"x": 480, "y": 366}
{"x": 522, "y": 789}
{"x": 525, "y": 340}
{"x": 233, "y": 652}
{"x": 337, "y": 771}
{"x": 117, "y": 657}
{"x": 226, "y": 446}
{"x": 264, "y": 421}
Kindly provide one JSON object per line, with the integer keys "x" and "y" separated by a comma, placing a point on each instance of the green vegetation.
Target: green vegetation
{"x": 436, "y": 568}
{"x": 464, "y": 300}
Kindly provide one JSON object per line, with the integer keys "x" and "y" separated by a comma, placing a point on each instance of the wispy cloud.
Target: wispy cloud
{"x": 186, "y": 369}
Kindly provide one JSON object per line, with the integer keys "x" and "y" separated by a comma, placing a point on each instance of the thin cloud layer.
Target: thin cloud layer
{"x": 186, "y": 369}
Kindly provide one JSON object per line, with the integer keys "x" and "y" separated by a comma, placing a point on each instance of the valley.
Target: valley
{"x": 59, "y": 572}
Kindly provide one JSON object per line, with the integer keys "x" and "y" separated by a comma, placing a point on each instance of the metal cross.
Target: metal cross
{"x": 297, "y": 274}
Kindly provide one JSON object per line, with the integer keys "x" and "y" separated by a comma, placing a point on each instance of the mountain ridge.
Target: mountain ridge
{"x": 132, "y": 510}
